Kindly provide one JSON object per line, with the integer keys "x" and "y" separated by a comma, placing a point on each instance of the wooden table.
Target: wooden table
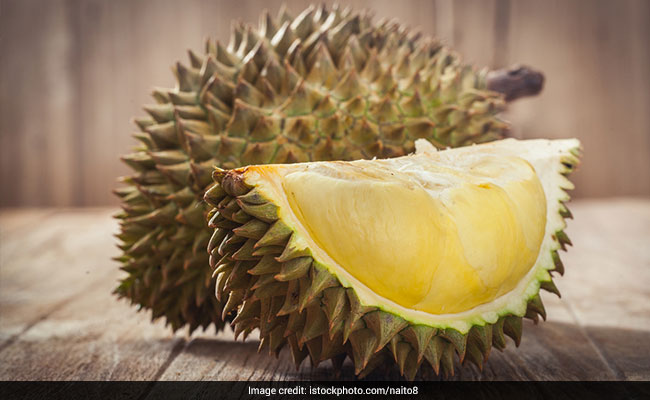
{"x": 59, "y": 321}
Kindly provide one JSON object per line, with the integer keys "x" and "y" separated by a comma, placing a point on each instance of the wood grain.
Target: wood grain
{"x": 58, "y": 319}
{"x": 74, "y": 74}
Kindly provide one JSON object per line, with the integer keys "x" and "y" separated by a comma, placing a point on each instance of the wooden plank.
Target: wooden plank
{"x": 59, "y": 318}
{"x": 13, "y": 220}
{"x": 607, "y": 285}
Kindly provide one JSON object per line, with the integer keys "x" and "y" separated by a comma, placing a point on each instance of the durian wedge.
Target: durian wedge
{"x": 410, "y": 259}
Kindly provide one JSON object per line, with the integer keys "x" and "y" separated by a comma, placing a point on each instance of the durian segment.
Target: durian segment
{"x": 425, "y": 235}
{"x": 327, "y": 84}
{"x": 274, "y": 282}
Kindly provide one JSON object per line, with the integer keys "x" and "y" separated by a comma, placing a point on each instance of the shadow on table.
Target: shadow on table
{"x": 548, "y": 351}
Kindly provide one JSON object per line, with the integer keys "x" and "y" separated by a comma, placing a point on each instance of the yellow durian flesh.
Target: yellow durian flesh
{"x": 438, "y": 235}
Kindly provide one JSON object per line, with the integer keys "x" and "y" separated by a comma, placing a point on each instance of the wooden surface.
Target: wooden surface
{"x": 74, "y": 73}
{"x": 58, "y": 319}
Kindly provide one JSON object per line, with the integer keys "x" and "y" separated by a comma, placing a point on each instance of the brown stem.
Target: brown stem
{"x": 515, "y": 82}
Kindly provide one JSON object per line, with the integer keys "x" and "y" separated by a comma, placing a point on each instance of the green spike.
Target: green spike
{"x": 563, "y": 239}
{"x": 276, "y": 235}
{"x": 457, "y": 339}
{"x": 267, "y": 212}
{"x": 559, "y": 267}
{"x": 512, "y": 327}
{"x": 315, "y": 324}
{"x": 419, "y": 337}
{"x": 266, "y": 265}
{"x": 234, "y": 299}
{"x": 290, "y": 305}
{"x": 245, "y": 252}
{"x": 297, "y": 353}
{"x": 321, "y": 279}
{"x": 253, "y": 229}
{"x": 480, "y": 337}
{"x": 357, "y": 310}
{"x": 294, "y": 269}
{"x": 364, "y": 343}
{"x": 384, "y": 325}
{"x": 549, "y": 286}
{"x": 335, "y": 300}
{"x": 537, "y": 306}
{"x": 268, "y": 250}
{"x": 498, "y": 340}
{"x": 214, "y": 195}
{"x": 253, "y": 197}
{"x": 293, "y": 249}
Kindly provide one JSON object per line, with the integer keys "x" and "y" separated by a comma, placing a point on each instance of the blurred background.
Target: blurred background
{"x": 73, "y": 73}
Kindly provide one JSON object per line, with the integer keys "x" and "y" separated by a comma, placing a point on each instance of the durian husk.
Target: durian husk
{"x": 325, "y": 85}
{"x": 270, "y": 283}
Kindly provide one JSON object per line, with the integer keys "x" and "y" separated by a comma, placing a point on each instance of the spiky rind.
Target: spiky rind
{"x": 327, "y": 85}
{"x": 313, "y": 310}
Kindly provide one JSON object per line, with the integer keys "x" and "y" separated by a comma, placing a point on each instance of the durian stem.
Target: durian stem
{"x": 516, "y": 82}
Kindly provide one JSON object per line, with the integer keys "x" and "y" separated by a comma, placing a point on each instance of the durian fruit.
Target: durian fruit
{"x": 325, "y": 85}
{"x": 411, "y": 259}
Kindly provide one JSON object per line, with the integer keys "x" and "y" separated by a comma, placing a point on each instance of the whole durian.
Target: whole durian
{"x": 326, "y": 85}
{"x": 408, "y": 261}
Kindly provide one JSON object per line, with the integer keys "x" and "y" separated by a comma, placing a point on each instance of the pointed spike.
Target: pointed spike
{"x": 384, "y": 325}
{"x": 537, "y": 306}
{"x": 253, "y": 197}
{"x": 314, "y": 347}
{"x": 315, "y": 324}
{"x": 401, "y": 356}
{"x": 480, "y": 337}
{"x": 294, "y": 249}
{"x": 267, "y": 212}
{"x": 512, "y": 327}
{"x": 297, "y": 353}
{"x": 563, "y": 239}
{"x": 475, "y": 356}
{"x": 276, "y": 235}
{"x": 498, "y": 339}
{"x": 291, "y": 300}
{"x": 295, "y": 324}
{"x": 349, "y": 86}
{"x": 321, "y": 279}
{"x": 559, "y": 267}
{"x": 357, "y": 310}
{"x": 419, "y": 337}
{"x": 248, "y": 309}
{"x": 274, "y": 251}
{"x": 253, "y": 229}
{"x": 294, "y": 269}
{"x": 283, "y": 38}
{"x": 363, "y": 344}
{"x": 335, "y": 301}
{"x": 549, "y": 286}
{"x": 245, "y": 252}
{"x": 234, "y": 299}
{"x": 267, "y": 265}
{"x": 434, "y": 351}
{"x": 457, "y": 339}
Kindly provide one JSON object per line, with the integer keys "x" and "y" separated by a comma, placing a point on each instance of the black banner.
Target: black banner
{"x": 325, "y": 390}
